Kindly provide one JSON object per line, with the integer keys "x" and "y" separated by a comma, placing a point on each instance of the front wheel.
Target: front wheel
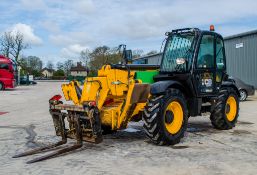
{"x": 226, "y": 109}
{"x": 165, "y": 118}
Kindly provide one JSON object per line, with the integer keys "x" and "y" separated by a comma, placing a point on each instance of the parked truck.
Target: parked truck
{"x": 7, "y": 73}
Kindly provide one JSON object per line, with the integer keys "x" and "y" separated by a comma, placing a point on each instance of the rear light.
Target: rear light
{"x": 56, "y": 98}
{"x": 92, "y": 103}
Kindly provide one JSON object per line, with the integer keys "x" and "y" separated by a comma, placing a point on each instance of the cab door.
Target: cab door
{"x": 205, "y": 68}
{"x": 220, "y": 60}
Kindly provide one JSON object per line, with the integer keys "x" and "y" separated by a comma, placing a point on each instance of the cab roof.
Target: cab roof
{"x": 192, "y": 30}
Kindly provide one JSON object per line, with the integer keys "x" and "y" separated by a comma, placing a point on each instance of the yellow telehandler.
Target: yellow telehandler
{"x": 191, "y": 80}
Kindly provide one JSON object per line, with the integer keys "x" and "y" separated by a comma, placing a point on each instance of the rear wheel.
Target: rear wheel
{"x": 1, "y": 86}
{"x": 165, "y": 118}
{"x": 243, "y": 95}
{"x": 225, "y": 113}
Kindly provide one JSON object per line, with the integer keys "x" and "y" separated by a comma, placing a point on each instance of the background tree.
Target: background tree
{"x": 6, "y": 44}
{"x": 103, "y": 55}
{"x": 59, "y": 66}
{"x": 60, "y": 70}
{"x": 113, "y": 56}
{"x": 18, "y": 45}
{"x": 67, "y": 66}
{"x": 85, "y": 57}
{"x": 12, "y": 44}
{"x": 137, "y": 53}
{"x": 32, "y": 65}
{"x": 50, "y": 65}
{"x": 98, "y": 57}
{"x": 59, "y": 73}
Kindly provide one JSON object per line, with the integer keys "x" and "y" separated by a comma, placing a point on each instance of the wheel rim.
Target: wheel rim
{"x": 1, "y": 86}
{"x": 231, "y": 108}
{"x": 242, "y": 95}
{"x": 174, "y": 122}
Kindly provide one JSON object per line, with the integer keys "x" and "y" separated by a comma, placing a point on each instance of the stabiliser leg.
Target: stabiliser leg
{"x": 41, "y": 149}
{"x": 67, "y": 149}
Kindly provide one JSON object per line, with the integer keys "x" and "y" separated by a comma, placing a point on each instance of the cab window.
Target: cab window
{"x": 205, "y": 57}
{"x": 220, "y": 54}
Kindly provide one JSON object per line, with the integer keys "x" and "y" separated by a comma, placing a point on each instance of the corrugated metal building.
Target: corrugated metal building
{"x": 241, "y": 55}
{"x": 149, "y": 59}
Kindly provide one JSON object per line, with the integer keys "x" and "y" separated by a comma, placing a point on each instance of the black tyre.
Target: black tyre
{"x": 243, "y": 94}
{"x": 226, "y": 109}
{"x": 1, "y": 86}
{"x": 165, "y": 118}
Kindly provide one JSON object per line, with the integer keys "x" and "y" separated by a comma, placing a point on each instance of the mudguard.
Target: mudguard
{"x": 230, "y": 84}
{"x": 161, "y": 86}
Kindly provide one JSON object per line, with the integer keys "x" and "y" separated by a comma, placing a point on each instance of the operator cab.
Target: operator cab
{"x": 196, "y": 59}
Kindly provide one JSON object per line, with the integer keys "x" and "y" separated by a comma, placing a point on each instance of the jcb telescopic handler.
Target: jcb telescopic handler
{"x": 191, "y": 80}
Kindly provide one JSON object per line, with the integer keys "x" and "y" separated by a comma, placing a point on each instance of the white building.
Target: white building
{"x": 47, "y": 72}
{"x": 79, "y": 70}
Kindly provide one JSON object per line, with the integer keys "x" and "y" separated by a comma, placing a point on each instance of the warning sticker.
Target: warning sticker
{"x": 208, "y": 82}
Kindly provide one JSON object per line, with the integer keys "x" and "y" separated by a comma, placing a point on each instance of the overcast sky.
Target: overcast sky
{"x": 60, "y": 29}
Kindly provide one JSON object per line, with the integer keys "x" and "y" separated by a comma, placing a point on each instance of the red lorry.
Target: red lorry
{"x": 7, "y": 73}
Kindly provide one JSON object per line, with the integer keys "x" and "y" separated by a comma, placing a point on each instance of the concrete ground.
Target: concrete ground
{"x": 204, "y": 150}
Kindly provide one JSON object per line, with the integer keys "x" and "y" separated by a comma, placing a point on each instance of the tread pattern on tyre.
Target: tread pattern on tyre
{"x": 152, "y": 118}
{"x": 218, "y": 116}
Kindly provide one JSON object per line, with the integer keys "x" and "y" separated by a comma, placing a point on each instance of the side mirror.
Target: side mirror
{"x": 127, "y": 55}
{"x": 180, "y": 61}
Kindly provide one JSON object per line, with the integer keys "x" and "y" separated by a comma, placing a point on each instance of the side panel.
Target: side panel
{"x": 146, "y": 76}
{"x": 95, "y": 89}
{"x": 117, "y": 80}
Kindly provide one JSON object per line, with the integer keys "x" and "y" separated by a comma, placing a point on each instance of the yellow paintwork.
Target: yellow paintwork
{"x": 139, "y": 107}
{"x": 177, "y": 111}
{"x": 95, "y": 89}
{"x": 113, "y": 84}
{"x": 70, "y": 93}
{"x": 231, "y": 101}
